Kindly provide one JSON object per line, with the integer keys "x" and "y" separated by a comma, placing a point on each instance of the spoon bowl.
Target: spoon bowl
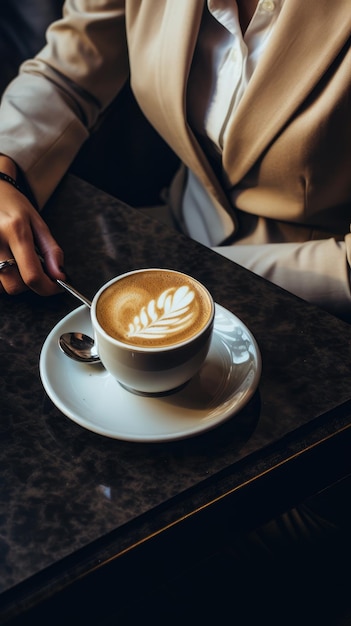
{"x": 79, "y": 347}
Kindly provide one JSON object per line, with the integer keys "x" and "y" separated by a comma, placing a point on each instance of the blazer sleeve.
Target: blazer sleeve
{"x": 317, "y": 271}
{"x": 49, "y": 109}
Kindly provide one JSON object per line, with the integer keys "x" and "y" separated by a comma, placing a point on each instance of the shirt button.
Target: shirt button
{"x": 268, "y": 6}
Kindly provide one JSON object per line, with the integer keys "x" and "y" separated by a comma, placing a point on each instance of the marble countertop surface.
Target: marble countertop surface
{"x": 64, "y": 489}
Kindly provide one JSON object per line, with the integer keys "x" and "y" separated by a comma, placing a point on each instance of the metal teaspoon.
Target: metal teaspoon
{"x": 74, "y": 292}
{"x": 78, "y": 346}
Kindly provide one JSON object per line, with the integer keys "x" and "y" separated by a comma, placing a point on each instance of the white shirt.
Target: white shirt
{"x": 213, "y": 96}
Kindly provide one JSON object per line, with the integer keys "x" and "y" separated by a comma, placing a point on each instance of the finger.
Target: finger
{"x": 10, "y": 280}
{"x": 51, "y": 253}
{"x": 22, "y": 232}
{"x": 33, "y": 272}
{"x": 30, "y": 236}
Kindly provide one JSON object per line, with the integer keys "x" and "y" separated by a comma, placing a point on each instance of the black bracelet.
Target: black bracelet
{"x": 9, "y": 179}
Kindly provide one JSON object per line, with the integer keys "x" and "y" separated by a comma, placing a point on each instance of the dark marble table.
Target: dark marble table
{"x": 74, "y": 503}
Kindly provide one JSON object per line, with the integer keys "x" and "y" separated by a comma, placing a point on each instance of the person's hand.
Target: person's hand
{"x": 23, "y": 236}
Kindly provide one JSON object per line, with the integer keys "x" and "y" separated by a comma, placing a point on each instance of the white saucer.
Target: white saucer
{"x": 89, "y": 396}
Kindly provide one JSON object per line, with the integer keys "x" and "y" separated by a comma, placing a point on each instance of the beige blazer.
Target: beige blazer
{"x": 288, "y": 154}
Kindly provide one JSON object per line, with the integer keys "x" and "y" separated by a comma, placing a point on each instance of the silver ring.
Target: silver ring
{"x": 8, "y": 263}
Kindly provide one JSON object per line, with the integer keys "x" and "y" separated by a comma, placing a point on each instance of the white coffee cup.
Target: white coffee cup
{"x": 153, "y": 328}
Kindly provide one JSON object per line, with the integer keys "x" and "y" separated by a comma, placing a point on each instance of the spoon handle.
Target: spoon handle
{"x": 74, "y": 292}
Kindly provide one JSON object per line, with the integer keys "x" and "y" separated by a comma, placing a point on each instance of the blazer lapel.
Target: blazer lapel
{"x": 181, "y": 22}
{"x": 308, "y": 36}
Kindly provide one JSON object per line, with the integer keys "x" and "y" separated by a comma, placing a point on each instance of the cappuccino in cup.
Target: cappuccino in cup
{"x": 153, "y": 328}
{"x": 154, "y": 309}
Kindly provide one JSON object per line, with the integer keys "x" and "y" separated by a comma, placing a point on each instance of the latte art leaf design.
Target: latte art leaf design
{"x": 168, "y": 315}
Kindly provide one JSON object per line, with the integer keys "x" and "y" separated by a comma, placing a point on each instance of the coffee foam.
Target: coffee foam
{"x": 153, "y": 308}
